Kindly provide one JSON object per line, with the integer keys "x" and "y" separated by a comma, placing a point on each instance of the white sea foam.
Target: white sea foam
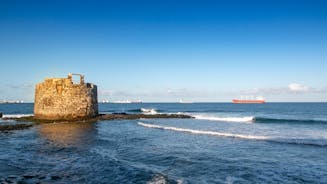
{"x": 157, "y": 180}
{"x": 203, "y": 132}
{"x": 227, "y": 119}
{"x": 16, "y": 115}
{"x": 149, "y": 111}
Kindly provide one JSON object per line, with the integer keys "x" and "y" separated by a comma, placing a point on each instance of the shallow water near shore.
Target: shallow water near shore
{"x": 225, "y": 143}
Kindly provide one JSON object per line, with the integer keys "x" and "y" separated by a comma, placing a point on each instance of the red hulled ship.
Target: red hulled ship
{"x": 259, "y": 100}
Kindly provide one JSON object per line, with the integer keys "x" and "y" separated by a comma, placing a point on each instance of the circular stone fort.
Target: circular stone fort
{"x": 63, "y": 99}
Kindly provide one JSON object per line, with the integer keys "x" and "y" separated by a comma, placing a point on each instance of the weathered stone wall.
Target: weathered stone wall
{"x": 61, "y": 99}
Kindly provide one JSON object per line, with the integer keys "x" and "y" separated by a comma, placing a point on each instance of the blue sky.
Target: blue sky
{"x": 165, "y": 50}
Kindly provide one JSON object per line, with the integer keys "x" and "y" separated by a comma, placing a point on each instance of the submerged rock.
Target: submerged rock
{"x": 139, "y": 116}
{"x": 4, "y": 128}
{"x": 114, "y": 116}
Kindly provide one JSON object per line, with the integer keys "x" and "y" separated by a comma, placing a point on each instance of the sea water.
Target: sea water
{"x": 223, "y": 143}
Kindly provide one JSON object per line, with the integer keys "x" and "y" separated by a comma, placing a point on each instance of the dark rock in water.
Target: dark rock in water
{"x": 31, "y": 121}
{"x": 114, "y": 116}
{"x": 4, "y": 128}
{"x": 1, "y": 114}
{"x": 121, "y": 113}
{"x": 139, "y": 116}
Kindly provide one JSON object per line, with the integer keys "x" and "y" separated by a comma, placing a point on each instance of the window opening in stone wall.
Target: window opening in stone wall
{"x": 77, "y": 78}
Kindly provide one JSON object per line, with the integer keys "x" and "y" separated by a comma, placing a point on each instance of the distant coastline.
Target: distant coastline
{"x": 12, "y": 102}
{"x": 28, "y": 102}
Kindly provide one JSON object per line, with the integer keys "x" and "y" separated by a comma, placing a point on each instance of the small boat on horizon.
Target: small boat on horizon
{"x": 181, "y": 101}
{"x": 258, "y": 100}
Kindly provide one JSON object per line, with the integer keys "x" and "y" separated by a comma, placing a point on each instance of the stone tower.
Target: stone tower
{"x": 62, "y": 99}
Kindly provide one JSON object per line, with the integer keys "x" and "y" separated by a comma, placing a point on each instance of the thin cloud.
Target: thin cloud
{"x": 298, "y": 88}
{"x": 289, "y": 89}
{"x": 105, "y": 92}
{"x": 20, "y": 86}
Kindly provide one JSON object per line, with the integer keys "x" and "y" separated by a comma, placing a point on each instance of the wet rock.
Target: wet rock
{"x": 121, "y": 113}
{"x": 114, "y": 116}
{"x": 139, "y": 116}
{"x": 1, "y": 114}
{"x": 5, "y": 128}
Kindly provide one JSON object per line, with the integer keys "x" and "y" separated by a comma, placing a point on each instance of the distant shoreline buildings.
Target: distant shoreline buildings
{"x": 122, "y": 101}
{"x": 11, "y": 101}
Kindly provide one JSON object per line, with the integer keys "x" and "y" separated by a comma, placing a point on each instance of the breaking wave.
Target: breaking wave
{"x": 253, "y": 119}
{"x": 227, "y": 119}
{"x": 16, "y": 115}
{"x": 203, "y": 132}
{"x": 145, "y": 111}
{"x": 293, "y": 141}
{"x": 148, "y": 111}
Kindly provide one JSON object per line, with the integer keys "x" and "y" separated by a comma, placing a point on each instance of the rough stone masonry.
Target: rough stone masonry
{"x": 62, "y": 99}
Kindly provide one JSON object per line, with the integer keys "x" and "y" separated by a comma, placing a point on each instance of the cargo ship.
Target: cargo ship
{"x": 258, "y": 100}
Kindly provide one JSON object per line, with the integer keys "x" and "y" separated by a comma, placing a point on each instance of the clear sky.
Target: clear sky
{"x": 166, "y": 50}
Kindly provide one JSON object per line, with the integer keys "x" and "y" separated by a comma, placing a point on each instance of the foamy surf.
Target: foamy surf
{"x": 16, "y": 115}
{"x": 203, "y": 132}
{"x": 247, "y": 119}
{"x": 148, "y": 111}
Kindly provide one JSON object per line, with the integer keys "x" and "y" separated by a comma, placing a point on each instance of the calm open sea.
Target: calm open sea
{"x": 224, "y": 143}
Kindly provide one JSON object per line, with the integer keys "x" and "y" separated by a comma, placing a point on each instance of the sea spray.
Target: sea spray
{"x": 148, "y": 111}
{"x": 16, "y": 115}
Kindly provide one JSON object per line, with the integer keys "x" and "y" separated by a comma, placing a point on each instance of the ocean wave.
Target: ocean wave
{"x": 306, "y": 142}
{"x": 148, "y": 111}
{"x": 144, "y": 110}
{"x": 227, "y": 119}
{"x": 293, "y": 141}
{"x": 203, "y": 132}
{"x": 134, "y": 110}
{"x": 254, "y": 119}
{"x": 285, "y": 120}
{"x": 16, "y": 115}
{"x": 213, "y": 111}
